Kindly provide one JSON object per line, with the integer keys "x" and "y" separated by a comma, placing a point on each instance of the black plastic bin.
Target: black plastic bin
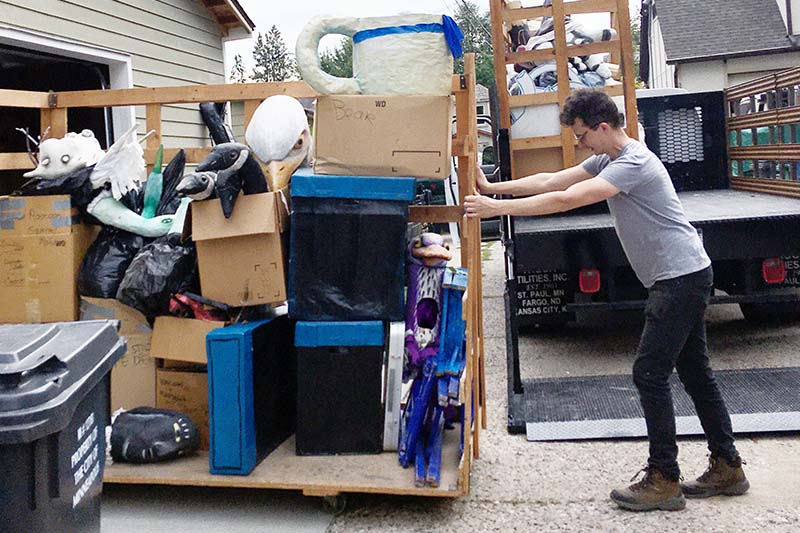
{"x": 339, "y": 369}
{"x": 54, "y": 401}
{"x": 348, "y": 247}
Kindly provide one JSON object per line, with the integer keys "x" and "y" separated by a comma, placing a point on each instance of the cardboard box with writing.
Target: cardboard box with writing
{"x": 242, "y": 259}
{"x": 185, "y": 392}
{"x": 397, "y": 136}
{"x": 133, "y": 378}
{"x": 42, "y": 244}
{"x": 182, "y": 339}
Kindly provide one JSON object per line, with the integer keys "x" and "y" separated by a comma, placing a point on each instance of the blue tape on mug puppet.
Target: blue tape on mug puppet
{"x": 449, "y": 28}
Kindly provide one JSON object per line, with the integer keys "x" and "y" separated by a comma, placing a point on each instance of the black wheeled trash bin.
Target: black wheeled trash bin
{"x": 54, "y": 401}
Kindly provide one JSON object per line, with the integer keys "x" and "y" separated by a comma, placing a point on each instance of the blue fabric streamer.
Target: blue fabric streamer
{"x": 452, "y": 33}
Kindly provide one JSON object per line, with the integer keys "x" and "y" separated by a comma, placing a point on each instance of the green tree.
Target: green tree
{"x": 636, "y": 37}
{"x": 339, "y": 61}
{"x": 477, "y": 38}
{"x": 238, "y": 74}
{"x": 273, "y": 62}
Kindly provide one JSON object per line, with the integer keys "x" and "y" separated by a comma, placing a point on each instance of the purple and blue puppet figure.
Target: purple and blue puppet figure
{"x": 426, "y": 260}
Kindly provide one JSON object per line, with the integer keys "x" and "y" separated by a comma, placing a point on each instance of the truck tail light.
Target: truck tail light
{"x": 589, "y": 280}
{"x": 773, "y": 270}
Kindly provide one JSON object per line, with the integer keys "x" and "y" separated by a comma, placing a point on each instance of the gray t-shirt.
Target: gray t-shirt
{"x": 649, "y": 219}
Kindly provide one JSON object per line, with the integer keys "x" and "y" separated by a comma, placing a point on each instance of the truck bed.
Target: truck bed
{"x": 701, "y": 207}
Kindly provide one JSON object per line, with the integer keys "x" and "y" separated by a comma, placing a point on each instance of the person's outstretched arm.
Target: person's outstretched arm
{"x": 582, "y": 193}
{"x": 535, "y": 183}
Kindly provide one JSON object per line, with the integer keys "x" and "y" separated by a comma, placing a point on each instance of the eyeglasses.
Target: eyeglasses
{"x": 580, "y": 137}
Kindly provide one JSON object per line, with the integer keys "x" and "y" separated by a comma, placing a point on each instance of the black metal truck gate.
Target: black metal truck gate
{"x": 739, "y": 230}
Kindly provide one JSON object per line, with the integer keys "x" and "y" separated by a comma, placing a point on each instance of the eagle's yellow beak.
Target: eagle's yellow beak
{"x": 279, "y": 173}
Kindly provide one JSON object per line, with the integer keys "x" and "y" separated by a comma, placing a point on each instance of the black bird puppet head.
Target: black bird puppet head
{"x": 198, "y": 185}
{"x": 236, "y": 171}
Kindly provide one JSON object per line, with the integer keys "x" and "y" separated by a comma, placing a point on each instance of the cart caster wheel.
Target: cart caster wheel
{"x": 334, "y": 505}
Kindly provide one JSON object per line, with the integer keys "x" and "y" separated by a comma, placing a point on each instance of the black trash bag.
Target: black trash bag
{"x": 77, "y": 185}
{"x": 148, "y": 435}
{"x": 162, "y": 268}
{"x": 106, "y": 261}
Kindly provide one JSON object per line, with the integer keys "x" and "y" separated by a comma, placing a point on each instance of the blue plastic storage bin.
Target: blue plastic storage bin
{"x": 347, "y": 247}
{"x": 251, "y": 393}
{"x": 339, "y": 366}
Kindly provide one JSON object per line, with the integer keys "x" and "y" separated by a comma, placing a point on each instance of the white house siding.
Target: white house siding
{"x": 662, "y": 75}
{"x": 742, "y": 69}
{"x": 702, "y": 76}
{"x": 171, "y": 42}
{"x": 721, "y": 73}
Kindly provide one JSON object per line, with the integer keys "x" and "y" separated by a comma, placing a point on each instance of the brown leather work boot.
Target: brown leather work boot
{"x": 721, "y": 477}
{"x": 653, "y": 492}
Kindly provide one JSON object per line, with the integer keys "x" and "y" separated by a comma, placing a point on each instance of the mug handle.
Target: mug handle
{"x": 307, "y": 56}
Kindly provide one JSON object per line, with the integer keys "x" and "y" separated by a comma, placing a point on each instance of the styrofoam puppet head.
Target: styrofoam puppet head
{"x": 61, "y": 157}
{"x": 279, "y": 136}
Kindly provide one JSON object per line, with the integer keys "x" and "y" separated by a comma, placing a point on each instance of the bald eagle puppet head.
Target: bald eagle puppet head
{"x": 279, "y": 136}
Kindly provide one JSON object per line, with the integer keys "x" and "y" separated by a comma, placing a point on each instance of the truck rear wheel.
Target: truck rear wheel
{"x": 771, "y": 312}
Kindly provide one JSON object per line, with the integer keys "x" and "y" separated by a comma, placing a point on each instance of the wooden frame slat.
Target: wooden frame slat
{"x": 496, "y": 10}
{"x": 787, "y": 78}
{"x": 766, "y": 152}
{"x": 15, "y": 161}
{"x": 184, "y": 94}
{"x": 756, "y": 86}
{"x": 532, "y": 143}
{"x": 560, "y": 44}
{"x": 549, "y": 54}
{"x": 783, "y": 188}
{"x": 523, "y": 100}
{"x": 193, "y": 155}
{"x": 26, "y": 99}
{"x": 525, "y": 13}
{"x": 620, "y": 48}
{"x": 624, "y": 30}
{"x": 590, "y": 6}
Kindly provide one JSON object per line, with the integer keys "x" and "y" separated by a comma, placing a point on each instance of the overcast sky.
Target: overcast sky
{"x": 292, "y": 15}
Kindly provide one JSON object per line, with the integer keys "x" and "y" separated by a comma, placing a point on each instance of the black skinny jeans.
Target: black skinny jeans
{"x": 674, "y": 336}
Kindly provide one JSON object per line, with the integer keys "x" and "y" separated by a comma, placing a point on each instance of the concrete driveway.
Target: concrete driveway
{"x": 523, "y": 486}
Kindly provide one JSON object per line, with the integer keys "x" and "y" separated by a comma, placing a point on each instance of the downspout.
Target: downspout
{"x": 794, "y": 39}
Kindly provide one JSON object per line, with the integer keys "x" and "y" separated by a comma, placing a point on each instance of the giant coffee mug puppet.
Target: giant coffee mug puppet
{"x": 402, "y": 54}
{"x": 116, "y": 173}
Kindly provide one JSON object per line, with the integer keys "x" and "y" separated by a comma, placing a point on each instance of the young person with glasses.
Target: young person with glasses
{"x": 667, "y": 256}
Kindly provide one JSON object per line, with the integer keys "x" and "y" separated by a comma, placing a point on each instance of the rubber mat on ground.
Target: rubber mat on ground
{"x": 760, "y": 400}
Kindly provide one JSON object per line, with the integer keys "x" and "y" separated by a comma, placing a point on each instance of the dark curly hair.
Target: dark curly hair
{"x": 592, "y": 107}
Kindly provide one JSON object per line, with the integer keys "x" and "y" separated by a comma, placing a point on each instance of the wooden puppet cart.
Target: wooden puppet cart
{"x": 550, "y": 153}
{"x": 327, "y": 476}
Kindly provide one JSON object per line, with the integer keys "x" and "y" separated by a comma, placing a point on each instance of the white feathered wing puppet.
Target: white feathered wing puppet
{"x": 120, "y": 171}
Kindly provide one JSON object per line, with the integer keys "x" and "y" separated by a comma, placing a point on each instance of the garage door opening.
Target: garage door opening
{"x": 33, "y": 70}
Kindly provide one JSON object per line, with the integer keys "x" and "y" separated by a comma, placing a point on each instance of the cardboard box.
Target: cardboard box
{"x": 396, "y": 136}
{"x": 42, "y": 244}
{"x": 182, "y": 339}
{"x": 187, "y": 393}
{"x": 133, "y": 378}
{"x": 37, "y": 215}
{"x": 242, "y": 259}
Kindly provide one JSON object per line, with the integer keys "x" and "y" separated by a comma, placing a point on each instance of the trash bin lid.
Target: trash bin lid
{"x": 309, "y": 185}
{"x": 46, "y": 369}
{"x": 356, "y": 333}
